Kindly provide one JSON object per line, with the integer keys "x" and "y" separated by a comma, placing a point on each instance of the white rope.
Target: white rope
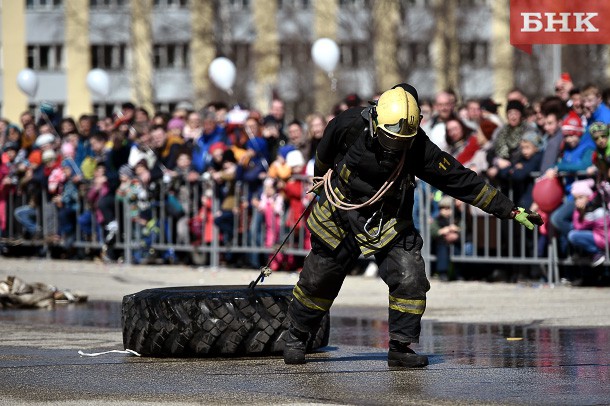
{"x": 95, "y": 354}
{"x": 336, "y": 201}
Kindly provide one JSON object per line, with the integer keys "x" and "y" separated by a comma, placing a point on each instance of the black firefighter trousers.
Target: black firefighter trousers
{"x": 401, "y": 267}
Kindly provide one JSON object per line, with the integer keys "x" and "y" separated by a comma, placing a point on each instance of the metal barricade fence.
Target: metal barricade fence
{"x": 483, "y": 238}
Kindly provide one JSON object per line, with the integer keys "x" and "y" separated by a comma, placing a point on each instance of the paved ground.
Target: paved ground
{"x": 464, "y": 302}
{"x": 488, "y": 344}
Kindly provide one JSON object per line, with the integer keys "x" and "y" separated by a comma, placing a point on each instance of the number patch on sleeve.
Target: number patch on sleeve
{"x": 444, "y": 164}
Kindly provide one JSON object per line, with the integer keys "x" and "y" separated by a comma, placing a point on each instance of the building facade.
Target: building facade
{"x": 157, "y": 52}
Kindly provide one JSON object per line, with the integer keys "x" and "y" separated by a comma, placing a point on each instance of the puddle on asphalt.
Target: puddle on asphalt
{"x": 489, "y": 345}
{"x": 89, "y": 314}
{"x": 483, "y": 345}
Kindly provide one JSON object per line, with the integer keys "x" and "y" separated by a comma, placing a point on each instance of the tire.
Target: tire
{"x": 210, "y": 321}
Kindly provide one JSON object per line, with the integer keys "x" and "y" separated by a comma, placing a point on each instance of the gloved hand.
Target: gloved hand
{"x": 526, "y": 217}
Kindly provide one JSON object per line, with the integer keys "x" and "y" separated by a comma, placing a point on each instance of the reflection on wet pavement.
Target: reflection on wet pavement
{"x": 469, "y": 364}
{"x": 492, "y": 345}
{"x": 474, "y": 345}
{"x": 91, "y": 314}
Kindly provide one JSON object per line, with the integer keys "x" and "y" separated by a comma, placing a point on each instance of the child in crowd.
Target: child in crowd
{"x": 590, "y": 222}
{"x": 297, "y": 201}
{"x": 9, "y": 179}
{"x": 271, "y": 205}
{"x": 147, "y": 226}
{"x": 446, "y": 233}
{"x": 223, "y": 171}
{"x": 127, "y": 192}
{"x": 601, "y": 157}
{"x": 279, "y": 169}
{"x": 179, "y": 196}
{"x": 67, "y": 203}
{"x": 201, "y": 225}
{"x": 92, "y": 219}
{"x": 519, "y": 173}
{"x": 576, "y": 157}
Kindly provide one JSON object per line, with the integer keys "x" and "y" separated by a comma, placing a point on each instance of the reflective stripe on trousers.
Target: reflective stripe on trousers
{"x": 400, "y": 265}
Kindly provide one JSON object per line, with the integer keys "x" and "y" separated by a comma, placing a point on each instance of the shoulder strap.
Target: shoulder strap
{"x": 354, "y": 131}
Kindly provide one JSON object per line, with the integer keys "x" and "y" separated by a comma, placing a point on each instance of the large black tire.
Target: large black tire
{"x": 208, "y": 321}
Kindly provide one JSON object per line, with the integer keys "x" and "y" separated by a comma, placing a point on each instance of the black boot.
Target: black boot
{"x": 400, "y": 355}
{"x": 295, "y": 346}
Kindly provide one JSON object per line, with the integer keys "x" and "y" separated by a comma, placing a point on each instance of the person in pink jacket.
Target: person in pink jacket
{"x": 589, "y": 234}
{"x": 271, "y": 205}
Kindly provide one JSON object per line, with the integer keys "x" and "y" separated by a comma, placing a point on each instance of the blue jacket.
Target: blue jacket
{"x": 602, "y": 113}
{"x": 83, "y": 150}
{"x": 201, "y": 157}
{"x": 575, "y": 160}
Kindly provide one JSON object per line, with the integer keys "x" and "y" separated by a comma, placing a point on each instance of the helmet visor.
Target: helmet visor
{"x": 399, "y": 128}
{"x": 394, "y": 142}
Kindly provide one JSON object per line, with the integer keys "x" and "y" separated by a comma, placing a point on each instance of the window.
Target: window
{"x": 106, "y": 3}
{"x": 355, "y": 4}
{"x": 411, "y": 55}
{"x": 103, "y": 110}
{"x": 171, "y": 3}
{"x": 166, "y": 106}
{"x": 294, "y": 4}
{"x": 35, "y": 109}
{"x": 404, "y": 6}
{"x": 240, "y": 54}
{"x": 471, "y": 3}
{"x": 595, "y": 52}
{"x": 294, "y": 54}
{"x": 43, "y": 4}
{"x": 108, "y": 56}
{"x": 475, "y": 53}
{"x": 419, "y": 53}
{"x": 45, "y": 57}
{"x": 354, "y": 54}
{"x": 238, "y": 5}
{"x": 171, "y": 55}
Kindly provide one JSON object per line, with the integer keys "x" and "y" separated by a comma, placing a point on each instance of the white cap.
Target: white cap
{"x": 48, "y": 155}
{"x": 44, "y": 139}
{"x": 295, "y": 158}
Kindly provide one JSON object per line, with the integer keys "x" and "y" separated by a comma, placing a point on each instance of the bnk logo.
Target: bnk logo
{"x": 558, "y": 22}
{"x": 563, "y": 22}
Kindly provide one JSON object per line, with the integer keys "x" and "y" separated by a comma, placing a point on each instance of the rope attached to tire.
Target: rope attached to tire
{"x": 266, "y": 270}
{"x": 335, "y": 200}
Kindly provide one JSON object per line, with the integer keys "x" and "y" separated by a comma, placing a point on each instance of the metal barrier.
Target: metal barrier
{"x": 483, "y": 238}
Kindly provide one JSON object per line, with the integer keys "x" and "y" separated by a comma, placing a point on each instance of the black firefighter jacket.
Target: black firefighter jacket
{"x": 355, "y": 156}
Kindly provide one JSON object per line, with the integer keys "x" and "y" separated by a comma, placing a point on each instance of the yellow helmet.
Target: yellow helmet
{"x": 397, "y": 119}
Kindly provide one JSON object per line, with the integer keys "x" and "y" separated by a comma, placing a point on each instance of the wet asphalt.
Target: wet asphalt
{"x": 487, "y": 344}
{"x": 469, "y": 364}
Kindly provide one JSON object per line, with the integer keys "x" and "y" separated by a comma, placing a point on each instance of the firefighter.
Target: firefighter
{"x": 368, "y": 159}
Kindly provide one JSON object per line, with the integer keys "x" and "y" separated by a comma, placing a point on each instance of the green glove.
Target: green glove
{"x": 526, "y": 217}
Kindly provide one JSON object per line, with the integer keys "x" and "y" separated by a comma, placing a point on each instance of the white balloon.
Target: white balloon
{"x": 28, "y": 82}
{"x": 325, "y": 54}
{"x": 98, "y": 82}
{"x": 222, "y": 72}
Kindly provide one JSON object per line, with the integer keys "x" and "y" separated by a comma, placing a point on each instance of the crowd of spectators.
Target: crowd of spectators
{"x": 556, "y": 139}
{"x": 191, "y": 163}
